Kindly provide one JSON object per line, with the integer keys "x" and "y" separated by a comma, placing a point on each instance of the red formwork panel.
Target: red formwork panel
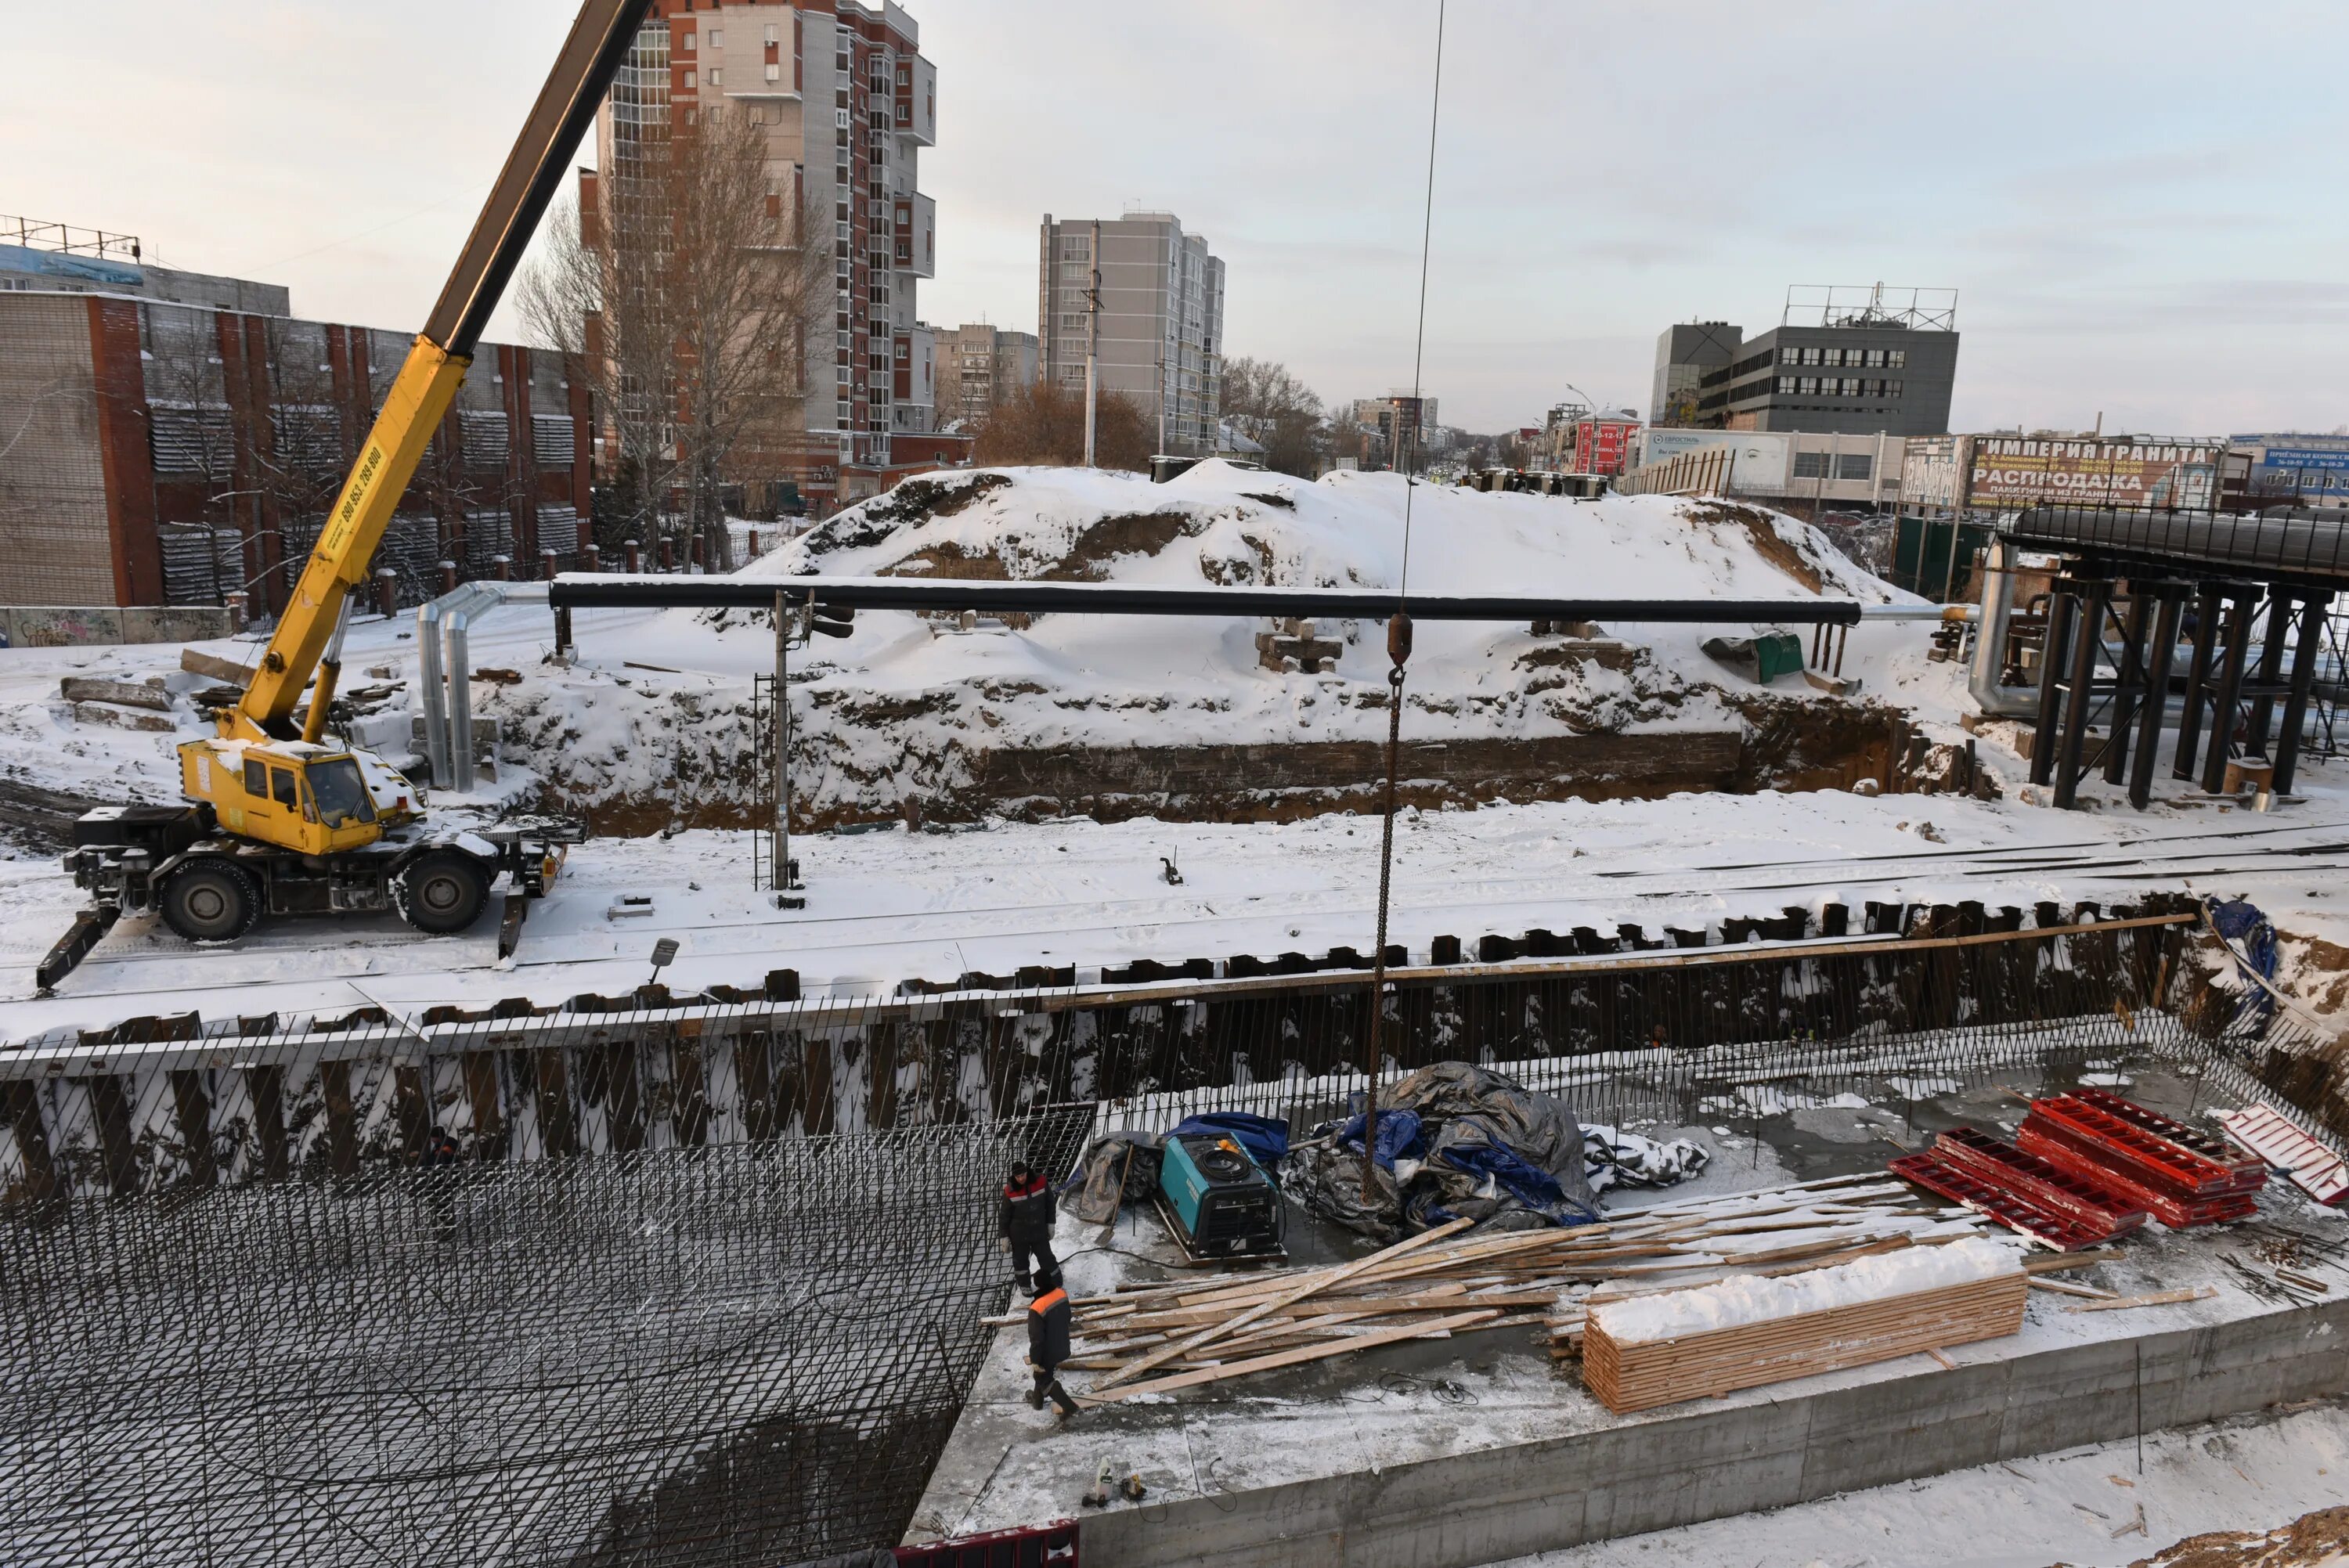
{"x": 1053, "y": 1545}
{"x": 2017, "y": 1212}
{"x": 2251, "y": 1174}
{"x": 2048, "y": 1185}
{"x": 2062, "y": 1144}
{"x": 2130, "y": 1150}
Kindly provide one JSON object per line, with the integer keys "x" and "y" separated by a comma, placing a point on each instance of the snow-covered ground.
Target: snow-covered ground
{"x": 895, "y": 904}
{"x": 2091, "y": 1507}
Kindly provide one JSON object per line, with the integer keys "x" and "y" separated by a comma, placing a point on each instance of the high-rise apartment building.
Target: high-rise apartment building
{"x": 1162, "y": 319}
{"x": 847, "y": 102}
{"x": 978, "y": 366}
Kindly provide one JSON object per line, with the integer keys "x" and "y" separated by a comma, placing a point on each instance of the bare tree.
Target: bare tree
{"x": 1265, "y": 401}
{"x": 688, "y": 297}
{"x": 1046, "y": 424}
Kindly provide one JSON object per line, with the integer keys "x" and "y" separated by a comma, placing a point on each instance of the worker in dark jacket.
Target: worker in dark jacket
{"x": 1048, "y": 1343}
{"x": 1025, "y": 1227}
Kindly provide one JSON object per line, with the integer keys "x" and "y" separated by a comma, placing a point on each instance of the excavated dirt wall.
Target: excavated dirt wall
{"x": 714, "y": 780}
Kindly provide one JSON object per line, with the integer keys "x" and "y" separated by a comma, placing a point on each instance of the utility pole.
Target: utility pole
{"x": 1092, "y": 349}
{"x": 784, "y": 882}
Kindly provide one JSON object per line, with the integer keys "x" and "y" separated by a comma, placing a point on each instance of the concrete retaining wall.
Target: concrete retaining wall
{"x": 1682, "y": 1467}
{"x": 66, "y": 626}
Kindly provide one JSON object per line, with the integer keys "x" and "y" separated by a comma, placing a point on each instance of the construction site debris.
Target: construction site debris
{"x": 84, "y": 688}
{"x": 2312, "y": 1166}
{"x": 1451, "y": 1141}
{"x": 122, "y": 718}
{"x": 217, "y": 668}
{"x": 2154, "y": 1298}
{"x": 1742, "y": 1332}
{"x": 1448, "y": 1281}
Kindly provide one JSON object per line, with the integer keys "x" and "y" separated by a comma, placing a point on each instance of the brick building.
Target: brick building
{"x": 165, "y": 453}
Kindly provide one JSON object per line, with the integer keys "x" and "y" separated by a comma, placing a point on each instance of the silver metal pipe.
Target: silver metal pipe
{"x": 429, "y": 679}
{"x": 1996, "y": 701}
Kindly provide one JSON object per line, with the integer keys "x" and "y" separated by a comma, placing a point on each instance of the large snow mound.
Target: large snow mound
{"x": 1222, "y": 525}
{"x": 913, "y": 707}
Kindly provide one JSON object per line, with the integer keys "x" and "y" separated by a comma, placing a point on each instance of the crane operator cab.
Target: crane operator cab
{"x": 311, "y": 799}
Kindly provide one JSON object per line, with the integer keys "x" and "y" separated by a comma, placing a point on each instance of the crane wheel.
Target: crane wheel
{"x": 210, "y": 900}
{"x": 443, "y": 892}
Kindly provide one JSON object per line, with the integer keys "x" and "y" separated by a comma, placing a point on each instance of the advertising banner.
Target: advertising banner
{"x": 2010, "y": 472}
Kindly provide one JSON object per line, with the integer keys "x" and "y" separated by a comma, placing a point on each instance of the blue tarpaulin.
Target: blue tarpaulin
{"x": 2240, "y": 923}
{"x": 1265, "y": 1139}
{"x": 1399, "y": 1136}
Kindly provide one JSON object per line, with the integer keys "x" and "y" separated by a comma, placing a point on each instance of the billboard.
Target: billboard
{"x": 2311, "y": 468}
{"x": 2008, "y": 472}
{"x": 1759, "y": 468}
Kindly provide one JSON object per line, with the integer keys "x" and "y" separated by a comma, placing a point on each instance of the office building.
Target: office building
{"x": 846, "y": 102}
{"x": 2296, "y": 469}
{"x": 1847, "y": 361}
{"x": 1686, "y": 353}
{"x": 1161, "y": 326}
{"x": 1397, "y": 426}
{"x": 978, "y": 366}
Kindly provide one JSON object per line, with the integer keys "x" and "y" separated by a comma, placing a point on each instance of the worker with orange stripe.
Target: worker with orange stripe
{"x": 1024, "y": 1226}
{"x": 1048, "y": 1343}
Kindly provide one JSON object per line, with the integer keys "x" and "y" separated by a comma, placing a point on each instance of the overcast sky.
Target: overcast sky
{"x": 2141, "y": 203}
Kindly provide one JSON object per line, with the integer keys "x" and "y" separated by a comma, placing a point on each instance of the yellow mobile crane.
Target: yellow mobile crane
{"x": 276, "y": 819}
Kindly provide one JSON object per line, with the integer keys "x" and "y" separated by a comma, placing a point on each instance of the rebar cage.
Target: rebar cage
{"x": 701, "y": 1284}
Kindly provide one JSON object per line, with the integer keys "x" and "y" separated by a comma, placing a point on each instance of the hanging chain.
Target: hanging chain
{"x": 1399, "y": 650}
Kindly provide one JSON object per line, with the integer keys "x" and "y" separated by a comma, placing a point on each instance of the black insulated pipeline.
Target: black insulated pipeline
{"x": 583, "y": 591}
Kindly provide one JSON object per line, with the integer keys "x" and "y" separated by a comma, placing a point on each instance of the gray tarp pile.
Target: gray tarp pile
{"x": 1454, "y": 1141}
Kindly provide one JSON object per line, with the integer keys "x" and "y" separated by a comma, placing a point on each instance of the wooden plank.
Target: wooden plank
{"x": 1643, "y": 1374}
{"x": 2065, "y": 1287}
{"x": 2157, "y": 1298}
{"x": 1218, "y": 1331}
{"x": 2063, "y": 1262}
{"x": 1442, "y": 1325}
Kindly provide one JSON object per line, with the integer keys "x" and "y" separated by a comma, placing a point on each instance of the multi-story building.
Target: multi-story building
{"x": 978, "y": 366}
{"x": 847, "y": 102}
{"x": 1600, "y": 443}
{"x": 1686, "y": 353}
{"x": 1397, "y": 424}
{"x": 62, "y": 259}
{"x": 1162, "y": 319}
{"x": 1852, "y": 362}
{"x": 178, "y": 454}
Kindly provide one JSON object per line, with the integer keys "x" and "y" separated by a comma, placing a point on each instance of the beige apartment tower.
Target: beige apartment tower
{"x": 980, "y": 367}
{"x": 1162, "y": 319}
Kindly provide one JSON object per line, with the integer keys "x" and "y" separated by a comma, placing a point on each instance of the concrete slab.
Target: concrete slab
{"x": 1454, "y": 1453}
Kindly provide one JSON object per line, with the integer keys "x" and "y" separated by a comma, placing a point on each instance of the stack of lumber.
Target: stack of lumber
{"x": 1746, "y": 1332}
{"x": 1147, "y": 1338}
{"x": 2157, "y": 1163}
{"x": 2051, "y": 1206}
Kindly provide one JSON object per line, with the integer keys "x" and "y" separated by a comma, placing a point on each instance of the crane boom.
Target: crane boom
{"x": 426, "y": 384}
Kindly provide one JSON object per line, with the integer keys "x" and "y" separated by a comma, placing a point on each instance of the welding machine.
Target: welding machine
{"x": 1217, "y": 1200}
